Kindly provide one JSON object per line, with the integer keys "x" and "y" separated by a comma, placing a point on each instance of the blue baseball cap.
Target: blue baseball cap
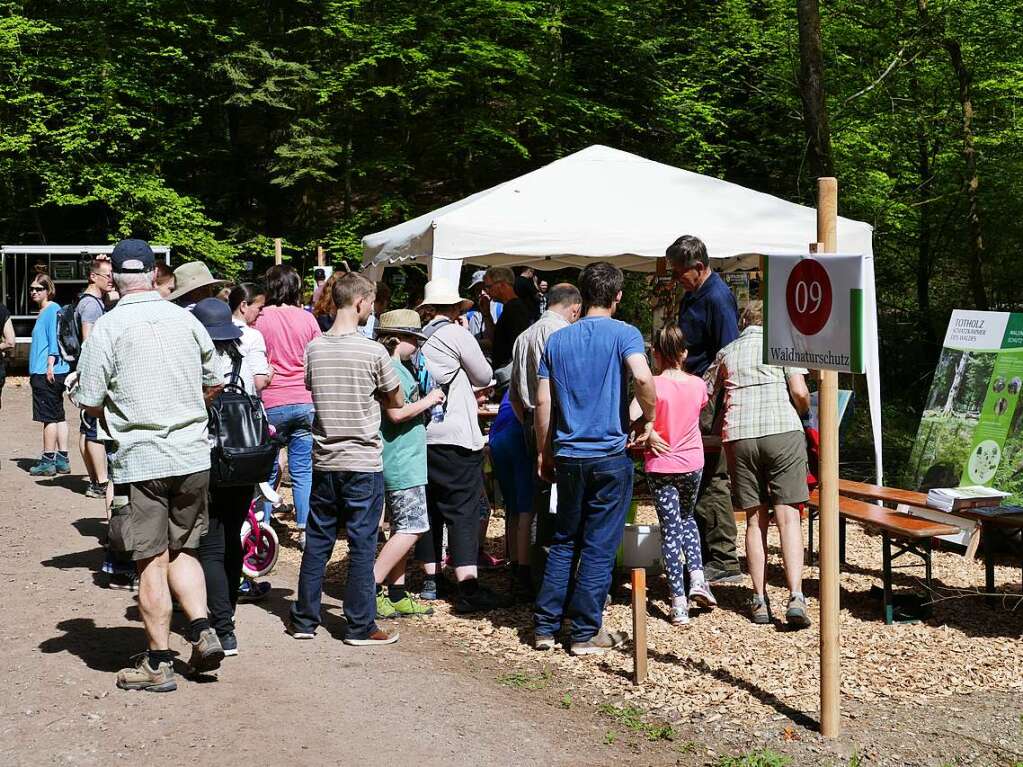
{"x": 132, "y": 257}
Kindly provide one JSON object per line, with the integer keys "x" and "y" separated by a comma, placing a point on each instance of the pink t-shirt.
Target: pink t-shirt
{"x": 287, "y": 330}
{"x": 679, "y": 402}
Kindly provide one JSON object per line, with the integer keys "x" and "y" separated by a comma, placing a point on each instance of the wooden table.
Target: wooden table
{"x": 911, "y": 498}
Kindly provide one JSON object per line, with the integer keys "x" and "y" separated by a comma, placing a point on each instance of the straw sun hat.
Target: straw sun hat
{"x": 188, "y": 277}
{"x": 442, "y": 292}
{"x": 399, "y": 322}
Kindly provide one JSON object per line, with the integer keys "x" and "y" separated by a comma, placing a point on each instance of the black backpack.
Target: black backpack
{"x": 69, "y": 330}
{"x": 242, "y": 451}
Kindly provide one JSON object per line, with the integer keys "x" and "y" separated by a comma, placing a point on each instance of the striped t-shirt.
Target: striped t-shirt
{"x": 344, "y": 373}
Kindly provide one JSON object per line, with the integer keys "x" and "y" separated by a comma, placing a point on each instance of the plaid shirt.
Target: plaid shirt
{"x": 756, "y": 395}
{"x": 145, "y": 363}
{"x": 526, "y": 356}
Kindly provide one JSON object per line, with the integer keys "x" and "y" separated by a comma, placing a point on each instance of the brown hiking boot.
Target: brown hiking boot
{"x": 760, "y": 611}
{"x": 207, "y": 653}
{"x": 142, "y": 677}
{"x": 378, "y": 637}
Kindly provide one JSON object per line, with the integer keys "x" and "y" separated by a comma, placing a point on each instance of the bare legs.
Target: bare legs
{"x": 756, "y": 547}
{"x": 390, "y": 564}
{"x": 178, "y": 572}
{"x": 55, "y": 437}
{"x": 94, "y": 454}
{"x": 787, "y": 519}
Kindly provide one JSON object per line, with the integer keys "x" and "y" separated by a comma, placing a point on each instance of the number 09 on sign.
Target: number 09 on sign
{"x": 808, "y": 297}
{"x": 814, "y": 313}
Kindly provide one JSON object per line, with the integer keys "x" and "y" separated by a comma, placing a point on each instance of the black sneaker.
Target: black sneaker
{"x": 714, "y": 574}
{"x": 230, "y": 644}
{"x": 123, "y": 582}
{"x": 481, "y": 600}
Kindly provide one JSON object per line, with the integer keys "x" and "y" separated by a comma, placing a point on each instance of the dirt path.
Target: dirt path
{"x": 280, "y": 701}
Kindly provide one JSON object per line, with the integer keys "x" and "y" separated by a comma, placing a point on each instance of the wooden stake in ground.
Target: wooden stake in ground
{"x": 278, "y": 251}
{"x": 827, "y": 403}
{"x": 639, "y": 624}
{"x": 321, "y": 256}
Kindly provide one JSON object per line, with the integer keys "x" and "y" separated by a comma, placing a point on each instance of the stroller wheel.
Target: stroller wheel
{"x": 260, "y": 548}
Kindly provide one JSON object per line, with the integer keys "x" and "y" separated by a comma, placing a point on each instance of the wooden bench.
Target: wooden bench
{"x": 1007, "y": 522}
{"x": 912, "y": 535}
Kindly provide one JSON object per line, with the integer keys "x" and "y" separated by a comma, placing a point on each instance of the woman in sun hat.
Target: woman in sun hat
{"x": 454, "y": 448}
{"x": 192, "y": 283}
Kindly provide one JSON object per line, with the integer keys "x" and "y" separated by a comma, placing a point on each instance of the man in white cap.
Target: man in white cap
{"x": 475, "y": 318}
{"x": 454, "y": 450}
{"x": 192, "y": 283}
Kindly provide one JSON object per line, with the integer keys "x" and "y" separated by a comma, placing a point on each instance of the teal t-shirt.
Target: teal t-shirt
{"x": 404, "y": 443}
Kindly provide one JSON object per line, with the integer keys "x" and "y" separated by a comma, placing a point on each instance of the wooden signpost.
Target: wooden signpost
{"x": 278, "y": 251}
{"x": 830, "y": 640}
{"x": 639, "y": 624}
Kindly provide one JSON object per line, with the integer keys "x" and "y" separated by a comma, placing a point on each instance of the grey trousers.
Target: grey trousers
{"x": 714, "y": 515}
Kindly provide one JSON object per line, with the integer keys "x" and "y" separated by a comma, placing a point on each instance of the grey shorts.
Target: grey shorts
{"x": 768, "y": 470}
{"x": 164, "y": 514}
{"x": 407, "y": 510}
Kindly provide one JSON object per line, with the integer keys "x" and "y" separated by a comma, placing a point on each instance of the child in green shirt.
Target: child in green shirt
{"x": 403, "y": 431}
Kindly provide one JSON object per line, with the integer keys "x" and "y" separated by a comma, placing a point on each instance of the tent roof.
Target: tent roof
{"x": 608, "y": 204}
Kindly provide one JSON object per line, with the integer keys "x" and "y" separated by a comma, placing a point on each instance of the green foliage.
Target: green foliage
{"x": 631, "y": 718}
{"x": 215, "y": 127}
{"x": 764, "y": 758}
{"x": 522, "y": 680}
{"x": 566, "y": 700}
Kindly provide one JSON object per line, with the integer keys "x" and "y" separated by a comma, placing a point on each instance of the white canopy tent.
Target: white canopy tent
{"x": 603, "y": 203}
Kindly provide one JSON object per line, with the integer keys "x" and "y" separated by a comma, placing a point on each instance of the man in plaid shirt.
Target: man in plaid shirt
{"x": 765, "y": 447}
{"x": 146, "y": 371}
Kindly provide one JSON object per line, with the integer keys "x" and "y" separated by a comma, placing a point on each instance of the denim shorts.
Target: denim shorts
{"x": 407, "y": 510}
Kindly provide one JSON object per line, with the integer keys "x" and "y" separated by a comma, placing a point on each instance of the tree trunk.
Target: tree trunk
{"x": 347, "y": 208}
{"x": 976, "y": 243}
{"x": 811, "y": 88}
{"x": 975, "y": 249}
{"x": 923, "y": 242}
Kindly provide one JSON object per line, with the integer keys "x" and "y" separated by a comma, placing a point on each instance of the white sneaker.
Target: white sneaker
{"x": 701, "y": 595}
{"x": 679, "y": 612}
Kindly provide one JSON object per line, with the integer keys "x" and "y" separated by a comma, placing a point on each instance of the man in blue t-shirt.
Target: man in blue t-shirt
{"x": 582, "y": 426}
{"x": 709, "y": 318}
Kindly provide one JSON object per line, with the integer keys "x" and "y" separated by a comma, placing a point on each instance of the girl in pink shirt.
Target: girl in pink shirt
{"x": 674, "y": 463}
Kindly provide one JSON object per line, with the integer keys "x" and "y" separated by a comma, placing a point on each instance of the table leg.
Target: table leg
{"x": 989, "y": 568}
{"x": 886, "y": 558}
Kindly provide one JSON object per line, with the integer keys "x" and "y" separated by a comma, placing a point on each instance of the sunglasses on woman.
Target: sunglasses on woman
{"x": 36, "y": 288}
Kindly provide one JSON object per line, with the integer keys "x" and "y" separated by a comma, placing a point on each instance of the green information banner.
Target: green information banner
{"x": 970, "y": 431}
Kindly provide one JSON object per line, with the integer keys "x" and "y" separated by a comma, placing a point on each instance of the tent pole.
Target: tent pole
{"x": 827, "y": 225}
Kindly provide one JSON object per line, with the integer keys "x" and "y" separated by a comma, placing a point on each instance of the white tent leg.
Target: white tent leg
{"x": 445, "y": 267}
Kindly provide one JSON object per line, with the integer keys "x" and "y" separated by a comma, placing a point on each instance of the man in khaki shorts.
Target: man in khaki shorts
{"x": 765, "y": 447}
{"x": 153, "y": 406}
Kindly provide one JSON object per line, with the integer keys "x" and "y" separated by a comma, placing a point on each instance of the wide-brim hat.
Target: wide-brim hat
{"x": 190, "y": 276}
{"x": 443, "y": 292}
{"x": 215, "y": 316}
{"x": 399, "y": 322}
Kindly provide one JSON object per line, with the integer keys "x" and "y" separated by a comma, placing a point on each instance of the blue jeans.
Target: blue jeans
{"x": 593, "y": 496}
{"x": 294, "y": 425}
{"x": 354, "y": 499}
